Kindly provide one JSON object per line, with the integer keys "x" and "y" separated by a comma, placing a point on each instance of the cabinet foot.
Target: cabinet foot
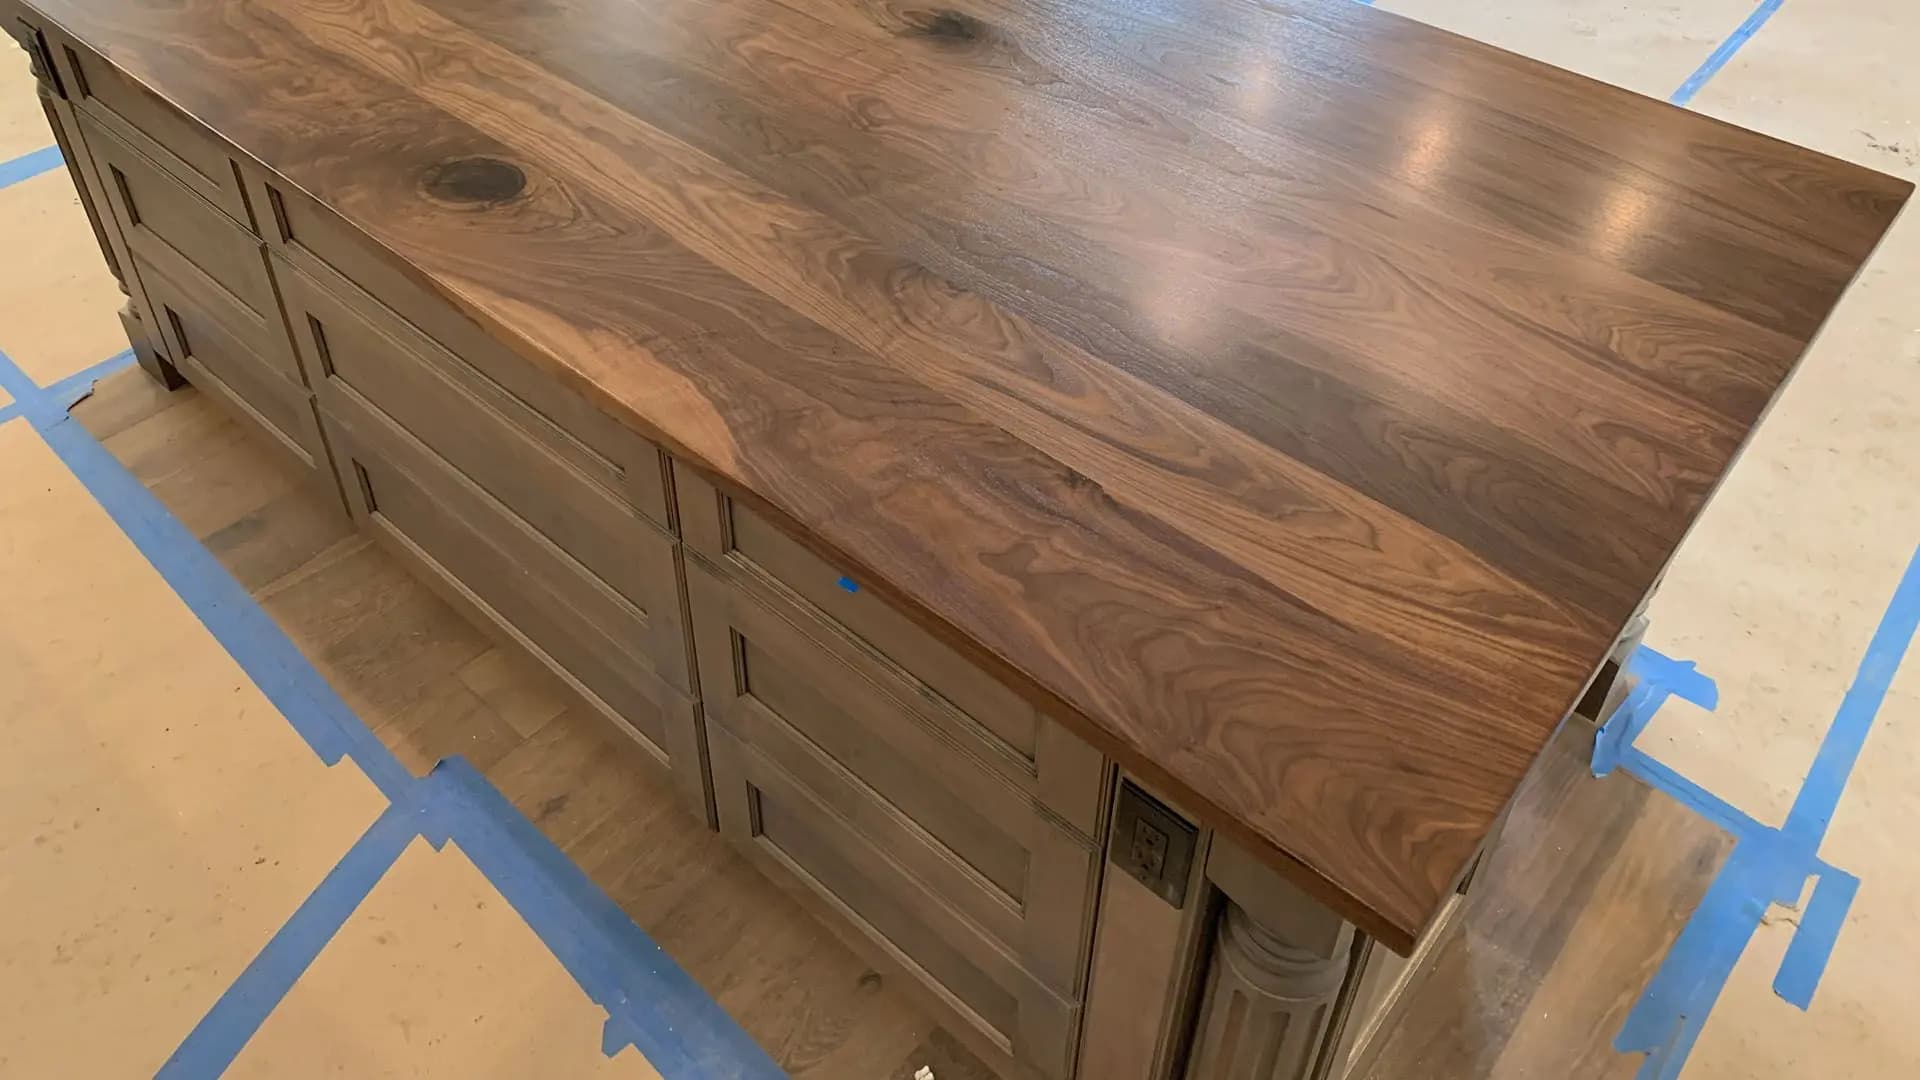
{"x": 148, "y": 357}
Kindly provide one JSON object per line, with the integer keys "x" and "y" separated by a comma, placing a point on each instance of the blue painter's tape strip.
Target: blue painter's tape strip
{"x": 69, "y": 391}
{"x": 8, "y": 413}
{"x": 1718, "y": 59}
{"x": 221, "y": 604}
{"x": 1819, "y": 797}
{"x": 652, "y": 1004}
{"x": 214, "y": 1042}
{"x": 849, "y": 584}
{"x": 1659, "y": 677}
{"x": 1812, "y": 944}
{"x": 27, "y": 166}
{"x": 1767, "y": 865}
{"x": 1659, "y": 776}
{"x": 1681, "y": 678}
{"x": 1667, "y": 1018}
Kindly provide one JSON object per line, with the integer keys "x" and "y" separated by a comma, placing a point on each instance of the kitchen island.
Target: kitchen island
{"x": 1107, "y": 502}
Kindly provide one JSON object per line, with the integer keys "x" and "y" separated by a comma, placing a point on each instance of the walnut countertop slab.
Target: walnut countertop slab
{"x": 1294, "y": 399}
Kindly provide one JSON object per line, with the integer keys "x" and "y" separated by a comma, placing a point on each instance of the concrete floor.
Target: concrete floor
{"x": 1775, "y": 595}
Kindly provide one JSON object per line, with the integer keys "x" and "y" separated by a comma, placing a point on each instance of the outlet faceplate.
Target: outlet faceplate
{"x": 1152, "y": 843}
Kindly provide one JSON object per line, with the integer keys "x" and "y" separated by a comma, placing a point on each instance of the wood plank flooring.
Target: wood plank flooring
{"x": 1591, "y": 882}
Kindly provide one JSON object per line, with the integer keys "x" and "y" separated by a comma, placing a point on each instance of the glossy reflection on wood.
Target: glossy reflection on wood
{"x": 1293, "y": 399}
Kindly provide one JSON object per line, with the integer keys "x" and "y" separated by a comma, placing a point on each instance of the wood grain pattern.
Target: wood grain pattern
{"x": 1240, "y": 380}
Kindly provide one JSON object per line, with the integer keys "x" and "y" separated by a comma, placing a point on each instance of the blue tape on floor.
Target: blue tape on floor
{"x": 1813, "y": 808}
{"x": 652, "y": 1004}
{"x": 1813, "y": 942}
{"x": 27, "y": 166}
{"x": 1658, "y": 775}
{"x": 1767, "y": 866}
{"x": 75, "y": 388}
{"x": 213, "y": 1044}
{"x": 1659, "y": 678}
{"x": 222, "y": 605}
{"x": 1718, "y": 59}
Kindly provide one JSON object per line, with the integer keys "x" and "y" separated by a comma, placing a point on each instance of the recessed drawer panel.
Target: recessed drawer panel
{"x": 512, "y": 452}
{"x": 876, "y": 888}
{"x": 155, "y": 211}
{"x": 335, "y": 255}
{"x": 862, "y": 742}
{"x": 531, "y": 590}
{"x": 219, "y": 347}
{"x": 995, "y": 723}
{"x": 180, "y": 144}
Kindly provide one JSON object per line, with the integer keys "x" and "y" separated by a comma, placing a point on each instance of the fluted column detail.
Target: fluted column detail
{"x": 1267, "y": 1004}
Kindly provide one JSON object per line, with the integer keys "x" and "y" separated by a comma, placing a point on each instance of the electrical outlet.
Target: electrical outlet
{"x": 1152, "y": 843}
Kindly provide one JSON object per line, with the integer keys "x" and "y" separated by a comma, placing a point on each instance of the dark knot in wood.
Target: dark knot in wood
{"x": 476, "y": 180}
{"x": 946, "y": 25}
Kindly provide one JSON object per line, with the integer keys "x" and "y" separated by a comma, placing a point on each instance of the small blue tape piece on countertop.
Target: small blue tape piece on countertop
{"x": 1767, "y": 866}
{"x": 849, "y": 584}
{"x": 1658, "y": 678}
{"x": 27, "y": 166}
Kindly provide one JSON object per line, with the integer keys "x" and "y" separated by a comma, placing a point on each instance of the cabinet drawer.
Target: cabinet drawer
{"x": 607, "y": 648}
{"x": 489, "y": 435}
{"x": 219, "y": 346}
{"x": 188, "y": 151}
{"x": 864, "y": 744}
{"x": 342, "y": 260}
{"x": 798, "y": 835}
{"x": 997, "y": 724}
{"x": 155, "y": 211}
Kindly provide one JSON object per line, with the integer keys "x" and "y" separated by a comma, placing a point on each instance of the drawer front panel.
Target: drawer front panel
{"x": 997, "y": 725}
{"x": 313, "y": 239}
{"x": 497, "y": 442}
{"x": 219, "y": 348}
{"x": 582, "y": 626}
{"x": 785, "y": 824}
{"x": 188, "y": 152}
{"x": 860, "y": 743}
{"x": 154, "y": 210}
{"x": 1000, "y": 710}
{"x": 896, "y": 768}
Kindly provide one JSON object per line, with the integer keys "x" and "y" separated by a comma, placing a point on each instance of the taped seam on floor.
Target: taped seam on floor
{"x": 652, "y": 1003}
{"x": 1767, "y": 865}
{"x": 29, "y": 165}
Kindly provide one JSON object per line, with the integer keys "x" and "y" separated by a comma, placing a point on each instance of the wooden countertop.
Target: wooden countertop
{"x": 1293, "y": 398}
